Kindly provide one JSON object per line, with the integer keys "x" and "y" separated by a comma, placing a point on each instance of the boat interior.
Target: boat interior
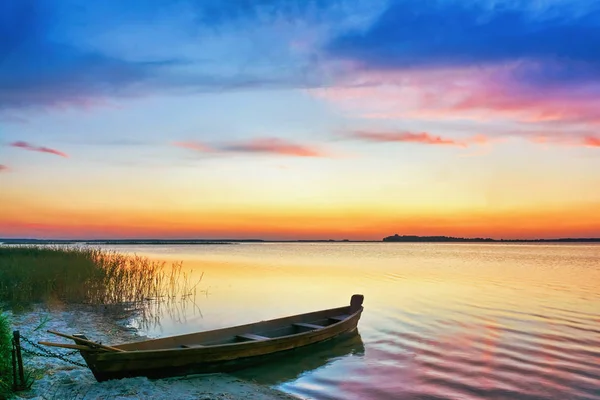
{"x": 259, "y": 331}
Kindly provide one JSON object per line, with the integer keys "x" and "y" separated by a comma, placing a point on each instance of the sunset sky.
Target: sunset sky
{"x": 296, "y": 119}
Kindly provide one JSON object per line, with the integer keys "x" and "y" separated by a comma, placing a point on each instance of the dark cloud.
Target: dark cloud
{"x": 46, "y": 58}
{"x": 37, "y": 70}
{"x": 441, "y": 33}
{"x": 215, "y": 12}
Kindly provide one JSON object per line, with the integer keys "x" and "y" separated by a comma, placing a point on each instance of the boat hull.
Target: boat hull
{"x": 140, "y": 359}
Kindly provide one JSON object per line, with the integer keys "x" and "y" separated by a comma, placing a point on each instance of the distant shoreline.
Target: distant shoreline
{"x": 450, "y": 239}
{"x": 388, "y": 239}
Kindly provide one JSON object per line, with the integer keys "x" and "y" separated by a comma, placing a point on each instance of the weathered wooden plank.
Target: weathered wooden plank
{"x": 67, "y": 346}
{"x": 86, "y": 342}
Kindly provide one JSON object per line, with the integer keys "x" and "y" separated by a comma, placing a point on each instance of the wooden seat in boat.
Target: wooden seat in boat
{"x": 308, "y": 326}
{"x": 252, "y": 336}
{"x": 339, "y": 318}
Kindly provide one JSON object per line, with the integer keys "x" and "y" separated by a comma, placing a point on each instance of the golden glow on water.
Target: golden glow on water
{"x": 472, "y": 321}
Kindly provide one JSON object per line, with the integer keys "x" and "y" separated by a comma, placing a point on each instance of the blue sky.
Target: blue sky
{"x": 431, "y": 108}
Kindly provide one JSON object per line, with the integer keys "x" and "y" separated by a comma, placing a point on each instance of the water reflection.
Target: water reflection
{"x": 292, "y": 365}
{"x": 147, "y": 316}
{"x": 441, "y": 321}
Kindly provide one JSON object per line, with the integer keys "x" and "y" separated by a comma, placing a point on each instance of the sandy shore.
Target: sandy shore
{"x": 56, "y": 379}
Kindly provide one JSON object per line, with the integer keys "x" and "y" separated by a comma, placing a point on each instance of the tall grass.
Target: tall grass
{"x": 31, "y": 274}
{"x": 121, "y": 284}
{"x": 5, "y": 357}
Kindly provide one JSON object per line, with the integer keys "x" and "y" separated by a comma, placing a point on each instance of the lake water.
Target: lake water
{"x": 441, "y": 321}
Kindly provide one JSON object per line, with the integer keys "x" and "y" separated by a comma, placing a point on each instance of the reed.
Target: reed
{"x": 5, "y": 357}
{"x": 120, "y": 285}
{"x": 75, "y": 275}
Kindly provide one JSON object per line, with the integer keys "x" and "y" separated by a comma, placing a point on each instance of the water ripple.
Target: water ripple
{"x": 441, "y": 321}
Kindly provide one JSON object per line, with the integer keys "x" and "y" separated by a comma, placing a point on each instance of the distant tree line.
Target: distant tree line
{"x": 413, "y": 238}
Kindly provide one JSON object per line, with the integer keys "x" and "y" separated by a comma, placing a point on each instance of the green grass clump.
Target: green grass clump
{"x": 5, "y": 357}
{"x": 79, "y": 275}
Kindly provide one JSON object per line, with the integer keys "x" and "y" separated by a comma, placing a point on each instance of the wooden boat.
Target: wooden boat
{"x": 218, "y": 350}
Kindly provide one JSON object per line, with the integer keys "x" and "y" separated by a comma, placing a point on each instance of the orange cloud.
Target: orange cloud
{"x": 3, "y": 168}
{"x": 592, "y": 141}
{"x": 411, "y": 137}
{"x": 576, "y": 139}
{"x": 41, "y": 149}
{"x": 259, "y": 145}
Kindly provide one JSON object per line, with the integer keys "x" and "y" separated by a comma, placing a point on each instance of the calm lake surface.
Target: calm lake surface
{"x": 441, "y": 321}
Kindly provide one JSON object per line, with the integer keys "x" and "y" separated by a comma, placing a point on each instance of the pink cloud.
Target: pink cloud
{"x": 474, "y": 94}
{"x": 41, "y": 149}
{"x": 274, "y": 146}
{"x": 258, "y": 145}
{"x": 3, "y": 168}
{"x": 489, "y": 98}
{"x": 194, "y": 146}
{"x": 551, "y": 106}
{"x": 568, "y": 139}
{"x": 412, "y": 137}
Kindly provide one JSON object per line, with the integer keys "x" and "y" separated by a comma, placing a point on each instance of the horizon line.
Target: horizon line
{"x": 391, "y": 238}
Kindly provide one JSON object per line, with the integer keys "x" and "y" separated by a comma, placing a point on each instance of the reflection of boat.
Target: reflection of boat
{"x": 218, "y": 350}
{"x": 290, "y": 365}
